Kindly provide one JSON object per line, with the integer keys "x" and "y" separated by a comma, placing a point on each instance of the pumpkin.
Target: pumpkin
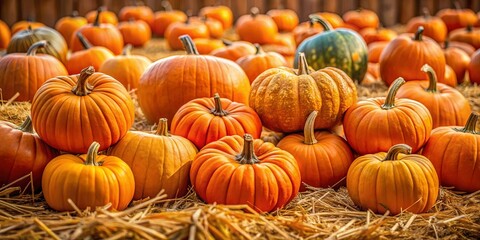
{"x": 458, "y": 17}
{"x": 286, "y": 19}
{"x": 99, "y": 34}
{"x": 259, "y": 174}
{"x": 334, "y": 19}
{"x": 215, "y": 28}
{"x": 136, "y": 32}
{"x": 32, "y": 157}
{"x": 454, "y": 154}
{"x": 90, "y": 56}
{"x": 69, "y": 24}
{"x": 126, "y": 68}
{"x": 305, "y": 30}
{"x": 473, "y": 68}
{"x": 234, "y": 50}
{"x": 467, "y": 48}
{"x": 468, "y": 35}
{"x": 393, "y": 181}
{"x": 450, "y": 77}
{"x": 284, "y": 45}
{"x": 433, "y": 26}
{"x": 254, "y": 65}
{"x": 207, "y": 45}
{"x": 221, "y": 13}
{"x": 457, "y": 59}
{"x": 446, "y": 104}
{"x": 371, "y": 35}
{"x": 138, "y": 12}
{"x": 25, "y": 73}
{"x": 104, "y": 16}
{"x": 268, "y": 135}
{"x": 340, "y": 48}
{"x": 173, "y": 81}
{"x": 362, "y": 18}
{"x": 396, "y": 121}
{"x": 22, "y": 41}
{"x": 194, "y": 29}
{"x": 405, "y": 55}
{"x": 284, "y": 97}
{"x": 375, "y": 50}
{"x": 87, "y": 180}
{"x": 256, "y": 28}
{"x": 204, "y": 120}
{"x": 323, "y": 157}
{"x": 24, "y": 25}
{"x": 374, "y": 70}
{"x": 70, "y": 112}
{"x": 163, "y": 19}
{"x": 370, "y": 79}
{"x": 163, "y": 157}
{"x": 5, "y": 35}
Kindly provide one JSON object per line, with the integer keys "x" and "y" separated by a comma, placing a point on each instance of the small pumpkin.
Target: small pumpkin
{"x": 260, "y": 175}
{"x": 362, "y": 18}
{"x": 137, "y": 12}
{"x": 69, "y": 24}
{"x": 458, "y": 17}
{"x": 5, "y": 35}
{"x": 457, "y": 59}
{"x": 467, "y": 48}
{"x": 135, "y": 32}
{"x": 393, "y": 181}
{"x": 305, "y": 30}
{"x": 286, "y": 19}
{"x": 234, "y": 50}
{"x": 163, "y": 19}
{"x": 221, "y": 13}
{"x": 87, "y": 180}
{"x": 207, "y": 45}
{"x": 104, "y": 16}
{"x": 90, "y": 56}
{"x": 256, "y": 64}
{"x": 468, "y": 35}
{"x": 256, "y": 28}
{"x": 433, "y": 26}
{"x": 334, "y": 19}
{"x": 375, "y": 50}
{"x": 371, "y": 35}
{"x": 24, "y": 25}
{"x": 215, "y": 28}
{"x": 473, "y": 68}
{"x": 195, "y": 29}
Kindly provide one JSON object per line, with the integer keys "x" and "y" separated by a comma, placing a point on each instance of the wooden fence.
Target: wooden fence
{"x": 391, "y": 12}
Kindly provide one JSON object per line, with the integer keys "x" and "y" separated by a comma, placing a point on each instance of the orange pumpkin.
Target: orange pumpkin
{"x": 286, "y": 19}
{"x": 259, "y": 174}
{"x": 473, "y": 68}
{"x": 137, "y": 12}
{"x": 371, "y": 35}
{"x": 362, "y": 18}
{"x": 256, "y": 28}
{"x": 306, "y": 30}
{"x": 234, "y": 50}
{"x": 254, "y": 65}
{"x": 334, "y": 19}
{"x": 69, "y": 24}
{"x": 221, "y": 13}
{"x": 207, "y": 45}
{"x": 24, "y": 25}
{"x": 375, "y": 50}
{"x": 433, "y": 26}
{"x": 194, "y": 29}
{"x": 458, "y": 17}
{"x": 284, "y": 45}
{"x": 457, "y": 59}
{"x": 136, "y": 32}
{"x": 105, "y": 16}
{"x": 468, "y": 35}
{"x": 450, "y": 77}
{"x": 374, "y": 70}
{"x": 163, "y": 19}
{"x": 215, "y": 28}
{"x": 5, "y": 35}
{"x": 467, "y": 48}
{"x": 94, "y": 107}
{"x": 90, "y": 56}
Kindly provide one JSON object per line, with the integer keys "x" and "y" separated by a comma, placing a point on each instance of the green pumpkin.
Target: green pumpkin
{"x": 340, "y": 48}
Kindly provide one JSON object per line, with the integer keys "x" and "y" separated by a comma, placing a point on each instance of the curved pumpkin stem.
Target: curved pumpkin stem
{"x": 419, "y": 34}
{"x": 167, "y": 6}
{"x": 127, "y": 50}
{"x": 92, "y": 154}
{"x": 309, "y": 130}
{"x": 96, "y": 22}
{"x": 188, "y": 44}
{"x": 432, "y": 78}
{"x": 85, "y": 43}
{"x": 26, "y": 125}
{"x": 472, "y": 121}
{"x": 397, "y": 149}
{"x": 390, "y": 100}
{"x": 218, "y": 110}
{"x": 254, "y": 11}
{"x": 162, "y": 128}
{"x": 259, "y": 49}
{"x": 302, "y": 64}
{"x": 32, "y": 50}
{"x": 83, "y": 88}
{"x": 326, "y": 25}
{"x": 248, "y": 155}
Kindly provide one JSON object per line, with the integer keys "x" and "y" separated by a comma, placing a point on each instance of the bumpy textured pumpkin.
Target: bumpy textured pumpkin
{"x": 24, "y": 25}
{"x": 284, "y": 97}
{"x": 173, "y": 81}
{"x": 88, "y": 180}
{"x": 22, "y": 152}
{"x": 5, "y": 35}
{"x": 195, "y": 29}
{"x": 158, "y": 160}
{"x": 371, "y": 35}
{"x": 105, "y": 16}
{"x": 396, "y": 181}
{"x": 70, "y": 112}
{"x": 163, "y": 19}
{"x": 468, "y": 35}
{"x": 256, "y": 64}
{"x": 204, "y": 120}
{"x": 286, "y": 19}
{"x": 323, "y": 157}
{"x": 376, "y": 124}
{"x": 90, "y": 56}
{"x": 457, "y": 59}
{"x": 433, "y": 26}
{"x": 69, "y": 24}
{"x": 362, "y": 18}
{"x": 234, "y": 50}
{"x": 473, "y": 68}
{"x": 25, "y": 73}
{"x": 137, "y": 12}
{"x": 221, "y": 13}
{"x": 259, "y": 174}
{"x": 458, "y": 17}
{"x": 256, "y": 28}
{"x": 340, "y": 48}
{"x": 455, "y": 155}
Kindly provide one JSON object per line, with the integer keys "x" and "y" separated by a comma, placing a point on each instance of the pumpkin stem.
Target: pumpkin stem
{"x": 254, "y": 11}
{"x": 397, "y": 149}
{"x": 92, "y": 154}
{"x": 188, "y": 44}
{"x": 446, "y": 44}
{"x": 469, "y": 28}
{"x": 432, "y": 78}
{"x": 84, "y": 41}
{"x": 390, "y": 100}
{"x": 167, "y": 6}
{"x": 302, "y": 64}
{"x": 426, "y": 13}
{"x": 127, "y": 50}
{"x": 162, "y": 128}
{"x": 248, "y": 155}
{"x": 83, "y": 88}
{"x": 309, "y": 130}
{"x": 326, "y": 25}
{"x": 472, "y": 121}
{"x": 96, "y": 22}
{"x": 259, "y": 49}
{"x": 32, "y": 50}
{"x": 74, "y": 13}
{"x": 218, "y": 110}
{"x": 419, "y": 34}
{"x": 26, "y": 125}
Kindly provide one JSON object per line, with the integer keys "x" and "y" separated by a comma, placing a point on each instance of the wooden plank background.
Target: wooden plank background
{"x": 391, "y": 12}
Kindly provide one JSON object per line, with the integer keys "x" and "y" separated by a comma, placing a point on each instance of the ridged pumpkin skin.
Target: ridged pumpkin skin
{"x": 25, "y": 24}
{"x": 204, "y": 120}
{"x": 396, "y": 181}
{"x": 86, "y": 183}
{"x": 173, "y": 81}
{"x": 158, "y": 161}
{"x": 340, "y": 48}
{"x": 25, "y": 73}
{"x": 454, "y": 151}
{"x": 236, "y": 170}
{"x": 323, "y": 157}
{"x": 70, "y": 112}
{"x": 22, "y": 152}
{"x": 376, "y": 124}
{"x": 254, "y": 65}
{"x": 284, "y": 97}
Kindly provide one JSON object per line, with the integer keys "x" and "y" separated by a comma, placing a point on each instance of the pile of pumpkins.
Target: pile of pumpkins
{"x": 211, "y": 106}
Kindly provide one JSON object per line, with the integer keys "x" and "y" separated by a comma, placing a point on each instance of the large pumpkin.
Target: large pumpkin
{"x": 90, "y": 56}
{"x": 204, "y": 120}
{"x": 323, "y": 157}
{"x": 87, "y": 180}
{"x": 5, "y": 35}
{"x": 23, "y": 152}
{"x": 173, "y": 81}
{"x": 340, "y": 48}
{"x": 433, "y": 26}
{"x": 256, "y": 28}
{"x": 393, "y": 181}
{"x": 474, "y": 68}
{"x": 69, "y": 24}
{"x": 254, "y": 65}
{"x": 70, "y": 112}
{"x": 163, "y": 157}
{"x": 284, "y": 97}
{"x": 376, "y": 124}
{"x": 454, "y": 151}
{"x": 259, "y": 174}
